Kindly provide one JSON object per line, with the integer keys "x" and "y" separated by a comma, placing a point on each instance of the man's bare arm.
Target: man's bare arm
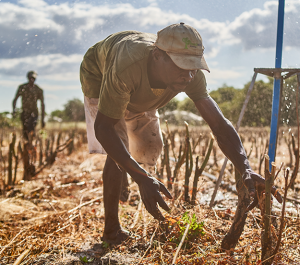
{"x": 43, "y": 111}
{"x": 113, "y": 145}
{"x": 15, "y": 101}
{"x": 231, "y": 145}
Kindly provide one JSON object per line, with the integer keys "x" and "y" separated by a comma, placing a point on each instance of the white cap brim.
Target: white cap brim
{"x": 189, "y": 62}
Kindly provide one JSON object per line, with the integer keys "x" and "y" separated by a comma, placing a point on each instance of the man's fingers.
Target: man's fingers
{"x": 164, "y": 190}
{"x": 162, "y": 203}
{"x": 250, "y": 186}
{"x": 159, "y": 215}
{"x": 151, "y": 197}
{"x": 252, "y": 204}
{"x": 260, "y": 184}
{"x": 149, "y": 209}
{"x": 151, "y": 206}
{"x": 154, "y": 211}
{"x": 249, "y": 183}
{"x": 257, "y": 178}
{"x": 276, "y": 194}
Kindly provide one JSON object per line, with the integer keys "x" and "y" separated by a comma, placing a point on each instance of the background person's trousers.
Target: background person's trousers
{"x": 140, "y": 133}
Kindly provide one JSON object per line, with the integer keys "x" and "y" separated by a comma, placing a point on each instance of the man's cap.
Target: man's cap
{"x": 32, "y": 74}
{"x": 183, "y": 44}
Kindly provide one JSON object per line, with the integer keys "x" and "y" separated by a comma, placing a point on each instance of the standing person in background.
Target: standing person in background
{"x": 30, "y": 94}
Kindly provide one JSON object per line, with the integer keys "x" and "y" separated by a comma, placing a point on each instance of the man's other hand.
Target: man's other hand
{"x": 254, "y": 182}
{"x": 150, "y": 189}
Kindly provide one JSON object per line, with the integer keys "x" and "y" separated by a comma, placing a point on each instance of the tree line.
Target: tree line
{"x": 259, "y": 108}
{"x": 229, "y": 99}
{"x": 73, "y": 111}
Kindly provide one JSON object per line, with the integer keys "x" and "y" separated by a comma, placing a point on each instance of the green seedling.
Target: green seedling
{"x": 86, "y": 260}
{"x": 105, "y": 244}
{"x": 195, "y": 230}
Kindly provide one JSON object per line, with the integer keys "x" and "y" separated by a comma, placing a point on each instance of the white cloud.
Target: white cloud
{"x": 34, "y": 27}
{"x": 48, "y": 87}
{"x": 11, "y": 83}
{"x": 212, "y": 54}
{"x": 26, "y": 18}
{"x": 51, "y": 96}
{"x": 258, "y": 27}
{"x": 216, "y": 75}
{"x": 33, "y": 3}
{"x": 52, "y": 39}
{"x": 58, "y": 65}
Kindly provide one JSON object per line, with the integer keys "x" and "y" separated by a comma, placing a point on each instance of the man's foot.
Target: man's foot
{"x": 116, "y": 238}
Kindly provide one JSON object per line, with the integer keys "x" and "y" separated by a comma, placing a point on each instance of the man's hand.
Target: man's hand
{"x": 254, "y": 182}
{"x": 149, "y": 190}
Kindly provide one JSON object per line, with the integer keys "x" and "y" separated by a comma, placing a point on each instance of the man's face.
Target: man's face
{"x": 174, "y": 77}
{"x": 31, "y": 79}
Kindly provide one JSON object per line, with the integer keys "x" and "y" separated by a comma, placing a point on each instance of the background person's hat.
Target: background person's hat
{"x": 32, "y": 74}
{"x": 183, "y": 44}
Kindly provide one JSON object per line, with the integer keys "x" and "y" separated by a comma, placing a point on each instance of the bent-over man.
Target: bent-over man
{"x": 125, "y": 78}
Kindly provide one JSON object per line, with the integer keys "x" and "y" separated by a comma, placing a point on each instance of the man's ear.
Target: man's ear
{"x": 156, "y": 54}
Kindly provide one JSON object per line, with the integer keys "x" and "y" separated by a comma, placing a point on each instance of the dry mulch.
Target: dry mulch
{"x": 42, "y": 217}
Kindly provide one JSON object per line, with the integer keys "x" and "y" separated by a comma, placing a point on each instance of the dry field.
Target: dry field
{"x": 58, "y": 216}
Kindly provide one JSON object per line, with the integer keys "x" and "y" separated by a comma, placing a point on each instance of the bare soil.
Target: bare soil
{"x": 58, "y": 218}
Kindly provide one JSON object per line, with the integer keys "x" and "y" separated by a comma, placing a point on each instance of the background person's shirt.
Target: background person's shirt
{"x": 115, "y": 71}
{"x": 30, "y": 96}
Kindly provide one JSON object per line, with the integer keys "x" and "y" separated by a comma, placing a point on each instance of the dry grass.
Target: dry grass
{"x": 43, "y": 216}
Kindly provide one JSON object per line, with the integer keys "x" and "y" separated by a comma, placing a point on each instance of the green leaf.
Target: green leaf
{"x": 86, "y": 260}
{"x": 105, "y": 244}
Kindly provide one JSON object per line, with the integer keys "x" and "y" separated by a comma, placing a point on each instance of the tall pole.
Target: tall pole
{"x": 276, "y": 88}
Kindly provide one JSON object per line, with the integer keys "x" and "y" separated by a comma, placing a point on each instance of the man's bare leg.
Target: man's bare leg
{"x": 112, "y": 183}
{"x": 125, "y": 191}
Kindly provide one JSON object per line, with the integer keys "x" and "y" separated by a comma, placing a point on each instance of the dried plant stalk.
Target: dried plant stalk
{"x": 12, "y": 155}
{"x": 188, "y": 163}
{"x": 22, "y": 256}
{"x": 86, "y": 203}
{"x": 167, "y": 163}
{"x": 296, "y": 167}
{"x": 262, "y": 156}
{"x": 170, "y": 138}
{"x": 180, "y": 244}
{"x": 231, "y": 238}
{"x": 176, "y": 170}
{"x": 266, "y": 238}
{"x": 286, "y": 176}
{"x": 198, "y": 171}
{"x": 16, "y": 156}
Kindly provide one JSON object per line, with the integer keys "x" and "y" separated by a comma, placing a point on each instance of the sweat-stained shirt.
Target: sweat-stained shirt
{"x": 115, "y": 71}
{"x": 30, "y": 96}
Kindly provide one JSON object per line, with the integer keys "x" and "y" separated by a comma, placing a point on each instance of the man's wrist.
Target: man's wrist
{"x": 139, "y": 175}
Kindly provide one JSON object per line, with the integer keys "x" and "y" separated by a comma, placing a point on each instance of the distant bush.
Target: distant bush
{"x": 8, "y": 121}
{"x": 73, "y": 111}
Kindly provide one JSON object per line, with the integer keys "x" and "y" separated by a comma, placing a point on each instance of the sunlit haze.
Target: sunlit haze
{"x": 51, "y": 38}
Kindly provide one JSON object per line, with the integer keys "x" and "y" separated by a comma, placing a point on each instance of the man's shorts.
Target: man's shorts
{"x": 140, "y": 133}
{"x": 29, "y": 121}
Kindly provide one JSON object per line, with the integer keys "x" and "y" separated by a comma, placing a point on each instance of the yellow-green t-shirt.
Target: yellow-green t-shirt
{"x": 115, "y": 71}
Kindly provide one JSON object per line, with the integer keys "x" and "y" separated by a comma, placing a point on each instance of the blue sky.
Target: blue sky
{"x": 51, "y": 37}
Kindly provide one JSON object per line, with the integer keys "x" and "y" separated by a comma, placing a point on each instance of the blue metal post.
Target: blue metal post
{"x": 277, "y": 81}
